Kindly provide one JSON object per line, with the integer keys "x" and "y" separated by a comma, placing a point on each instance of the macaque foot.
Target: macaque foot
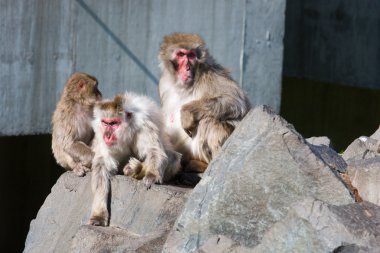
{"x": 195, "y": 166}
{"x": 133, "y": 168}
{"x": 81, "y": 170}
{"x": 150, "y": 179}
{"x": 98, "y": 221}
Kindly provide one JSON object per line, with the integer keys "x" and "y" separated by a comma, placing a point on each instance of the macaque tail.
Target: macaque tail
{"x": 100, "y": 183}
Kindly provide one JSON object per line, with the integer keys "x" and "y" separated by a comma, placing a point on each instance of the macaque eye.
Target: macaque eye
{"x": 111, "y": 122}
{"x": 191, "y": 55}
{"x": 180, "y": 54}
{"x": 128, "y": 115}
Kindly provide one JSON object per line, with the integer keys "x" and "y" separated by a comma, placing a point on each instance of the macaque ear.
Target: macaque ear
{"x": 128, "y": 115}
{"x": 81, "y": 84}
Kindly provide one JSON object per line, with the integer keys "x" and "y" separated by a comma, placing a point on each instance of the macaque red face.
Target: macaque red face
{"x": 185, "y": 61}
{"x": 114, "y": 121}
{"x": 109, "y": 127}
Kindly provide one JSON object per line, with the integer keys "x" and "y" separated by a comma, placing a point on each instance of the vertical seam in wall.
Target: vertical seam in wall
{"x": 241, "y": 61}
{"x": 74, "y": 35}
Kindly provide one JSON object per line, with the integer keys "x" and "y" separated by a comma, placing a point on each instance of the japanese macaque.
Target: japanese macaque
{"x": 129, "y": 137}
{"x": 72, "y": 133}
{"x": 200, "y": 101}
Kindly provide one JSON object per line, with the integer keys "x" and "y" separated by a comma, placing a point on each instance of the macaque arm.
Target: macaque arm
{"x": 150, "y": 148}
{"x": 222, "y": 108}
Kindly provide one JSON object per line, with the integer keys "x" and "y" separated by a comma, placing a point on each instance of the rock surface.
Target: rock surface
{"x": 365, "y": 176}
{"x": 363, "y": 159}
{"x": 263, "y": 169}
{"x": 358, "y": 149}
{"x": 314, "y": 226}
{"x": 139, "y": 217}
{"x": 269, "y": 190}
{"x": 322, "y": 140}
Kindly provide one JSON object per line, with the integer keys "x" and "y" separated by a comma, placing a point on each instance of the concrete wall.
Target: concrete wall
{"x": 44, "y": 41}
{"x": 333, "y": 41}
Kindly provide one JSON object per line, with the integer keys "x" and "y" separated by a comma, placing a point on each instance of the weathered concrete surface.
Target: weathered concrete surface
{"x": 333, "y": 41}
{"x": 261, "y": 72}
{"x": 264, "y": 168}
{"x": 137, "y": 216}
{"x": 118, "y": 42}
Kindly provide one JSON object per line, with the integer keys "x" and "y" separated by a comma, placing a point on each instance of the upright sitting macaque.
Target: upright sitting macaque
{"x": 200, "y": 101}
{"x": 72, "y": 133}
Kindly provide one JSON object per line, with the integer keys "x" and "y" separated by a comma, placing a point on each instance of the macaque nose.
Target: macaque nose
{"x": 107, "y": 134}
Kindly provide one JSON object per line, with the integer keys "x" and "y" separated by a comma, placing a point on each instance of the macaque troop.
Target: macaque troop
{"x": 130, "y": 134}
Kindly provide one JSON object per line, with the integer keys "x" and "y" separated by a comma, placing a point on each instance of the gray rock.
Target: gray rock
{"x": 363, "y": 148}
{"x": 321, "y": 148}
{"x": 365, "y": 177}
{"x": 137, "y": 216}
{"x": 314, "y": 226}
{"x": 330, "y": 157}
{"x": 222, "y": 244}
{"x": 357, "y": 151}
{"x": 376, "y": 135}
{"x": 321, "y": 140}
{"x": 110, "y": 239}
{"x": 263, "y": 169}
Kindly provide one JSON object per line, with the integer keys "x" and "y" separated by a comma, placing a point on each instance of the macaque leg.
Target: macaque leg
{"x": 174, "y": 165}
{"x": 211, "y": 135}
{"x": 154, "y": 167}
{"x": 100, "y": 183}
{"x": 82, "y": 156}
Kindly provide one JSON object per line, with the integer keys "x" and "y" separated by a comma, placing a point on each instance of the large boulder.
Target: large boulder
{"x": 140, "y": 219}
{"x": 269, "y": 190}
{"x": 263, "y": 169}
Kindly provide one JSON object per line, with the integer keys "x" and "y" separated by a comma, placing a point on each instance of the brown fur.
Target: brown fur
{"x": 72, "y": 133}
{"x": 209, "y": 105}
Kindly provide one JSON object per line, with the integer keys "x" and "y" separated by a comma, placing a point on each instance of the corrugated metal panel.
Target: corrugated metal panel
{"x": 44, "y": 41}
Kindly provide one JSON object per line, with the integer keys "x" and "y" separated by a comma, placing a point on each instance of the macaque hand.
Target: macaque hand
{"x": 188, "y": 120}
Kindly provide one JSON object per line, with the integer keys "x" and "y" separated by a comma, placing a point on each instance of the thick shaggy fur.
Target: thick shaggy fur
{"x": 199, "y": 114}
{"x": 142, "y": 150}
{"x": 72, "y": 132}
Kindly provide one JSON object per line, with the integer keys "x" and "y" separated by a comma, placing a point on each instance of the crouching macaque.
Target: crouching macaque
{"x": 200, "y": 101}
{"x": 129, "y": 137}
{"x": 71, "y": 124}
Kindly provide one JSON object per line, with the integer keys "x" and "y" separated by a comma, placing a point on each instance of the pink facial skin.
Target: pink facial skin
{"x": 186, "y": 60}
{"x": 109, "y": 126}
